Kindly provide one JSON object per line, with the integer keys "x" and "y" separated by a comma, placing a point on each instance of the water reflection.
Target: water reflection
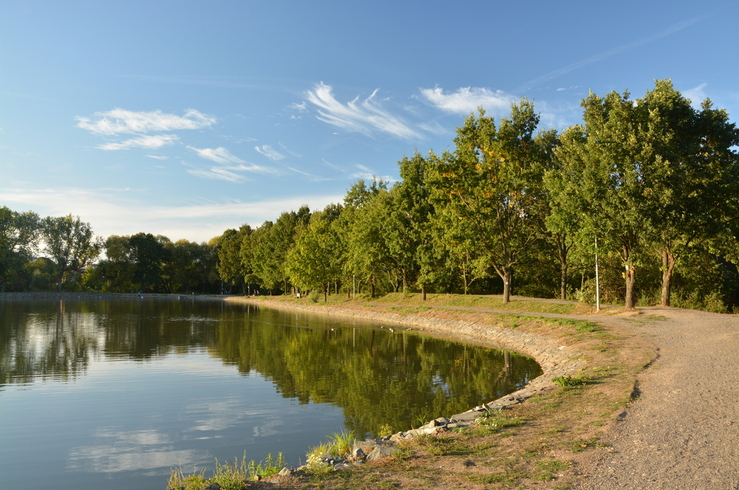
{"x": 145, "y": 384}
{"x": 138, "y": 450}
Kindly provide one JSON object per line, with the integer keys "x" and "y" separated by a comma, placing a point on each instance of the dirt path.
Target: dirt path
{"x": 683, "y": 430}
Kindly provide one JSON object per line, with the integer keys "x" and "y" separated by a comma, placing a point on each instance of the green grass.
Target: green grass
{"x": 572, "y": 381}
{"x": 476, "y": 301}
{"x": 228, "y": 475}
{"x": 338, "y": 445}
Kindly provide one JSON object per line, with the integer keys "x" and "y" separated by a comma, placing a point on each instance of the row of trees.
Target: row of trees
{"x": 39, "y": 254}
{"x": 651, "y": 182}
{"x": 648, "y": 184}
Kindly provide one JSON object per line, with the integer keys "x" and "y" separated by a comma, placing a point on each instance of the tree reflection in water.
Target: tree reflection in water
{"x": 376, "y": 376}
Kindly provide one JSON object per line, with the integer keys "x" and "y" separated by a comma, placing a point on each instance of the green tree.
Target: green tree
{"x": 645, "y": 174}
{"x": 191, "y": 267}
{"x": 493, "y": 183}
{"x": 367, "y": 255}
{"x": 18, "y": 241}
{"x": 270, "y": 252}
{"x": 313, "y": 261}
{"x": 408, "y": 228}
{"x": 230, "y": 266}
{"x": 117, "y": 269}
{"x": 692, "y": 172}
{"x": 609, "y": 185}
{"x": 148, "y": 256}
{"x": 70, "y": 244}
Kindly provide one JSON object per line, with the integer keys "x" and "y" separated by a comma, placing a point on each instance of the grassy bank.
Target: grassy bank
{"x": 537, "y": 444}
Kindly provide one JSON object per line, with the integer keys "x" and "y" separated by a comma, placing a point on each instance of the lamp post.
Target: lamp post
{"x": 597, "y": 279}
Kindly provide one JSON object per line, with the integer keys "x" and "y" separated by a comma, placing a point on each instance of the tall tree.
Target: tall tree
{"x": 605, "y": 158}
{"x": 230, "y": 266}
{"x": 70, "y": 244}
{"x": 18, "y": 241}
{"x": 312, "y": 263}
{"x": 149, "y": 255}
{"x": 408, "y": 228}
{"x": 692, "y": 172}
{"x": 492, "y": 183}
{"x": 367, "y": 256}
{"x": 270, "y": 252}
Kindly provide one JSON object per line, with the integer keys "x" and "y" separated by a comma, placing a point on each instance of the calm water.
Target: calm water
{"x": 113, "y": 393}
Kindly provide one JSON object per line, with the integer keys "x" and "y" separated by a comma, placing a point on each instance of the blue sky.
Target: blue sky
{"x": 186, "y": 118}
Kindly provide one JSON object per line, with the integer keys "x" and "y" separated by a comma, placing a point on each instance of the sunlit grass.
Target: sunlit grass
{"x": 228, "y": 475}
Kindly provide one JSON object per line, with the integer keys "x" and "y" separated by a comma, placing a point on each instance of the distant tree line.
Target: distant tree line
{"x": 59, "y": 253}
{"x": 648, "y": 185}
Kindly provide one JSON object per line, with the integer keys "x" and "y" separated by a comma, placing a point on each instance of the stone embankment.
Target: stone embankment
{"x": 555, "y": 360}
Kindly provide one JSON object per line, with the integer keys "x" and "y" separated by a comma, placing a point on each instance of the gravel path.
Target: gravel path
{"x": 683, "y": 430}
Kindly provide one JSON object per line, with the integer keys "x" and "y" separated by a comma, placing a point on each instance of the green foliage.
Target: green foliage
{"x": 385, "y": 430}
{"x": 18, "y": 235}
{"x": 230, "y": 267}
{"x": 492, "y": 183}
{"x": 70, "y": 245}
{"x": 341, "y": 443}
{"x": 571, "y": 381}
{"x": 229, "y": 475}
{"x": 313, "y": 261}
{"x": 338, "y": 445}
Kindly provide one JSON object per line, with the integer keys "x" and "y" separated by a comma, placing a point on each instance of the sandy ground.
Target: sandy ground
{"x": 683, "y": 430}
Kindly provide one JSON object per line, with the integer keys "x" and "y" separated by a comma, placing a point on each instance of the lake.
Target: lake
{"x": 112, "y": 393}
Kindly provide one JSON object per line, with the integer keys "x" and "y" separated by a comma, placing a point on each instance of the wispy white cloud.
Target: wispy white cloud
{"x": 158, "y": 157}
{"x": 120, "y": 121}
{"x": 269, "y": 152}
{"x": 291, "y": 152}
{"x": 146, "y": 141}
{"x": 367, "y": 116}
{"x": 218, "y": 155}
{"x": 468, "y": 99}
{"x": 217, "y": 173}
{"x": 255, "y": 168}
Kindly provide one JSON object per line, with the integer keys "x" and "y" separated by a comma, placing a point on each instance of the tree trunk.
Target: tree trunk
{"x": 563, "y": 281}
{"x": 630, "y": 278}
{"x": 423, "y": 292}
{"x": 563, "y": 251}
{"x": 507, "y": 282}
{"x": 668, "y": 267}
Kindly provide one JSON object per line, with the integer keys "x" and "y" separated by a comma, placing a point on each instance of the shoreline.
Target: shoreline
{"x": 555, "y": 360}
